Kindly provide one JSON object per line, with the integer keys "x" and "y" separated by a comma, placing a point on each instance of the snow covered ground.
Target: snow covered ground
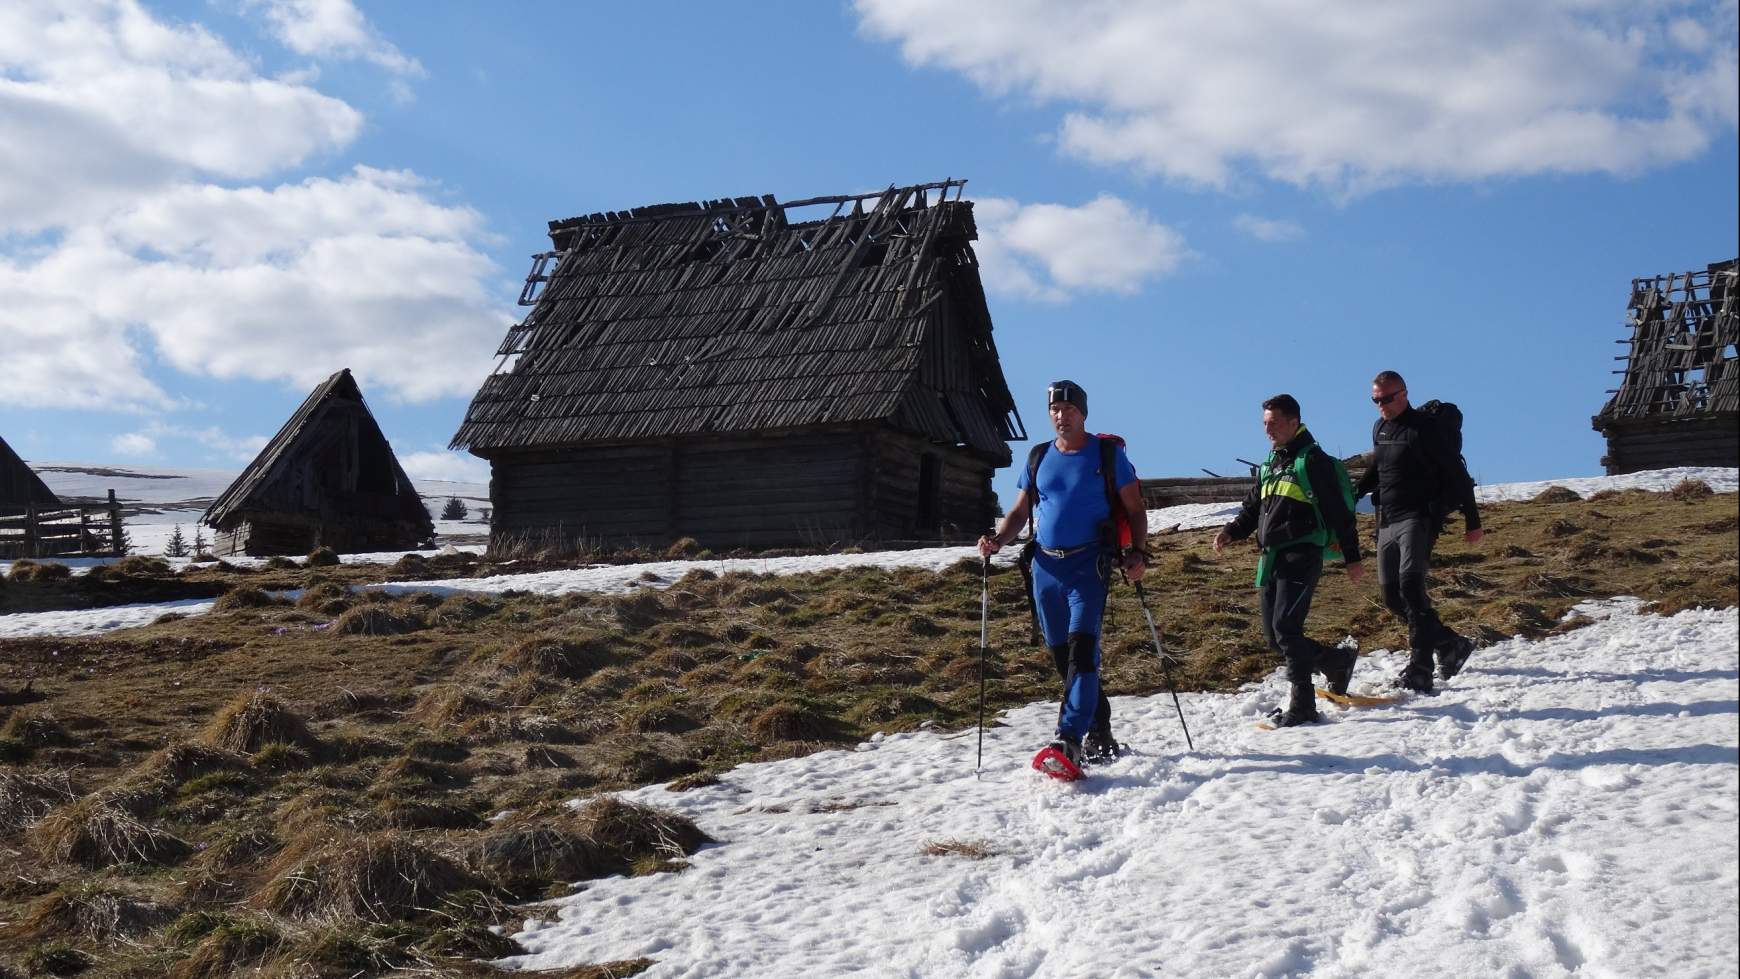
{"x": 1566, "y": 807}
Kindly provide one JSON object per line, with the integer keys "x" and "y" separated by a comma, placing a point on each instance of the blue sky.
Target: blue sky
{"x": 1184, "y": 211}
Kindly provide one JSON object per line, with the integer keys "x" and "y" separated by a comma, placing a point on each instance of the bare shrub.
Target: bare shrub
{"x": 253, "y": 720}
{"x": 382, "y": 876}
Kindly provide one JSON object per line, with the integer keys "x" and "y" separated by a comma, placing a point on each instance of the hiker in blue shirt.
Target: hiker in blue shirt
{"x": 1077, "y": 548}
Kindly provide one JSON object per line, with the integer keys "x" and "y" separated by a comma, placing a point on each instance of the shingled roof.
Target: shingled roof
{"x": 289, "y": 474}
{"x": 1681, "y": 362}
{"x": 20, "y": 486}
{"x": 723, "y": 316}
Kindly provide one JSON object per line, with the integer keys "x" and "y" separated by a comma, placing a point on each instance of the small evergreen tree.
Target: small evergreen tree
{"x": 454, "y": 510}
{"x": 177, "y": 546}
{"x": 199, "y": 541}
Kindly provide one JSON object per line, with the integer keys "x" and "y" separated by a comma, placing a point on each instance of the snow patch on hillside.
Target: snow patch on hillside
{"x": 1566, "y": 807}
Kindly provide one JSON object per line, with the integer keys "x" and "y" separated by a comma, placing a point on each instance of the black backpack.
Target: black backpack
{"x": 1448, "y": 418}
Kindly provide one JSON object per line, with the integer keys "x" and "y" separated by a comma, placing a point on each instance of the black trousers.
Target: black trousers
{"x": 1286, "y": 603}
{"x": 1404, "y": 557}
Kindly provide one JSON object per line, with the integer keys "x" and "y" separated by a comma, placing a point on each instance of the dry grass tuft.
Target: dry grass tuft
{"x": 1558, "y": 494}
{"x": 447, "y": 706}
{"x": 321, "y": 557}
{"x": 97, "y": 911}
{"x": 141, "y": 566}
{"x": 971, "y": 849}
{"x": 234, "y": 946}
{"x": 683, "y": 547}
{"x": 252, "y": 721}
{"x": 789, "y": 721}
{"x": 244, "y": 596}
{"x": 36, "y": 730}
{"x": 551, "y": 655}
{"x": 27, "y": 796}
{"x": 327, "y": 598}
{"x": 185, "y": 762}
{"x": 606, "y": 836}
{"x": 97, "y": 831}
{"x": 380, "y": 619}
{"x": 382, "y": 876}
{"x": 1687, "y": 490}
{"x": 460, "y": 609}
{"x": 24, "y": 569}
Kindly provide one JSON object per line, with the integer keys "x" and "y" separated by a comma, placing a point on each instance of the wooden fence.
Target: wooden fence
{"x": 62, "y": 532}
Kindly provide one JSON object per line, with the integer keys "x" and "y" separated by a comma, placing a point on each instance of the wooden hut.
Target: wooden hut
{"x": 20, "y": 487}
{"x": 328, "y": 478}
{"x": 727, "y": 372}
{"x": 1678, "y": 400}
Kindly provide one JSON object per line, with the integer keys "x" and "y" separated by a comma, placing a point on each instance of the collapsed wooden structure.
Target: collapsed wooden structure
{"x": 20, "y": 486}
{"x": 727, "y": 372}
{"x": 1678, "y": 400}
{"x": 328, "y": 478}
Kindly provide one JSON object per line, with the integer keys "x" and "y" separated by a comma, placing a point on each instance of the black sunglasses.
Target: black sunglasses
{"x": 1387, "y": 398}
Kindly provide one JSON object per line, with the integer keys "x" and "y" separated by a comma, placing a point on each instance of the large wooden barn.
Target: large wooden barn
{"x": 1678, "y": 401}
{"x": 328, "y": 478}
{"x": 728, "y": 372}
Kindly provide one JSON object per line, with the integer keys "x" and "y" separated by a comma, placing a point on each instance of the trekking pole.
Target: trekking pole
{"x": 1165, "y": 664}
{"x": 984, "y": 646}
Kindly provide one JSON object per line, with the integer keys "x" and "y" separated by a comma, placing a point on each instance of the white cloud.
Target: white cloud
{"x": 99, "y": 103}
{"x": 456, "y": 467}
{"x": 1347, "y": 97}
{"x": 232, "y": 448}
{"x": 1053, "y": 251}
{"x": 332, "y": 29}
{"x": 133, "y": 444}
{"x": 123, "y": 252}
{"x": 1267, "y": 229}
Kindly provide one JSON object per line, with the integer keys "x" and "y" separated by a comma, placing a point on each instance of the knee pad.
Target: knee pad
{"x": 1082, "y": 649}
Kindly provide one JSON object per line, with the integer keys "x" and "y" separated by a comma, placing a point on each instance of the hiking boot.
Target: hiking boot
{"x": 1418, "y": 676}
{"x": 1338, "y": 665}
{"x": 1453, "y": 652}
{"x": 1070, "y": 747}
{"x": 1100, "y": 748}
{"x": 1301, "y": 708}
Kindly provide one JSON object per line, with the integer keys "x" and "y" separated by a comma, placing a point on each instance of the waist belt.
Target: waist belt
{"x": 1064, "y": 552}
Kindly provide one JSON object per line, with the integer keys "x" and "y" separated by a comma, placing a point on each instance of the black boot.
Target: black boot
{"x": 1453, "y": 652}
{"x": 1338, "y": 665}
{"x": 1418, "y": 676}
{"x": 1101, "y": 747}
{"x": 1301, "y": 707}
{"x": 1070, "y": 747}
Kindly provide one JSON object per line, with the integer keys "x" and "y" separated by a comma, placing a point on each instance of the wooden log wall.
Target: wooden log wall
{"x": 1643, "y": 444}
{"x": 808, "y": 488}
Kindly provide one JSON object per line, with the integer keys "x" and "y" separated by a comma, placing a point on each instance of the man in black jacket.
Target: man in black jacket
{"x": 1416, "y": 479}
{"x": 1294, "y": 523}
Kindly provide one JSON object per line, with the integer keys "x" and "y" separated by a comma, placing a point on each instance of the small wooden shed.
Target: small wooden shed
{"x": 328, "y": 478}
{"x": 20, "y": 487}
{"x": 1678, "y": 400}
{"x": 728, "y": 372}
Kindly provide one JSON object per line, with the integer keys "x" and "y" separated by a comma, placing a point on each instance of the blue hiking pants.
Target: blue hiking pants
{"x": 1070, "y": 595}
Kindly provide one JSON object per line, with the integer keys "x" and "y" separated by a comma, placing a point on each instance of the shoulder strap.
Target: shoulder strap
{"x": 1034, "y": 456}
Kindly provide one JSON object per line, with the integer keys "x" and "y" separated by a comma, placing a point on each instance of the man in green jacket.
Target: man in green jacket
{"x": 1294, "y": 522}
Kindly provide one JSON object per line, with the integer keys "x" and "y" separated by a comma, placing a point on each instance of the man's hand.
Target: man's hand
{"x": 1135, "y": 566}
{"x": 1221, "y": 540}
{"x": 989, "y": 545}
{"x": 1356, "y": 571}
{"x": 1473, "y": 536}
